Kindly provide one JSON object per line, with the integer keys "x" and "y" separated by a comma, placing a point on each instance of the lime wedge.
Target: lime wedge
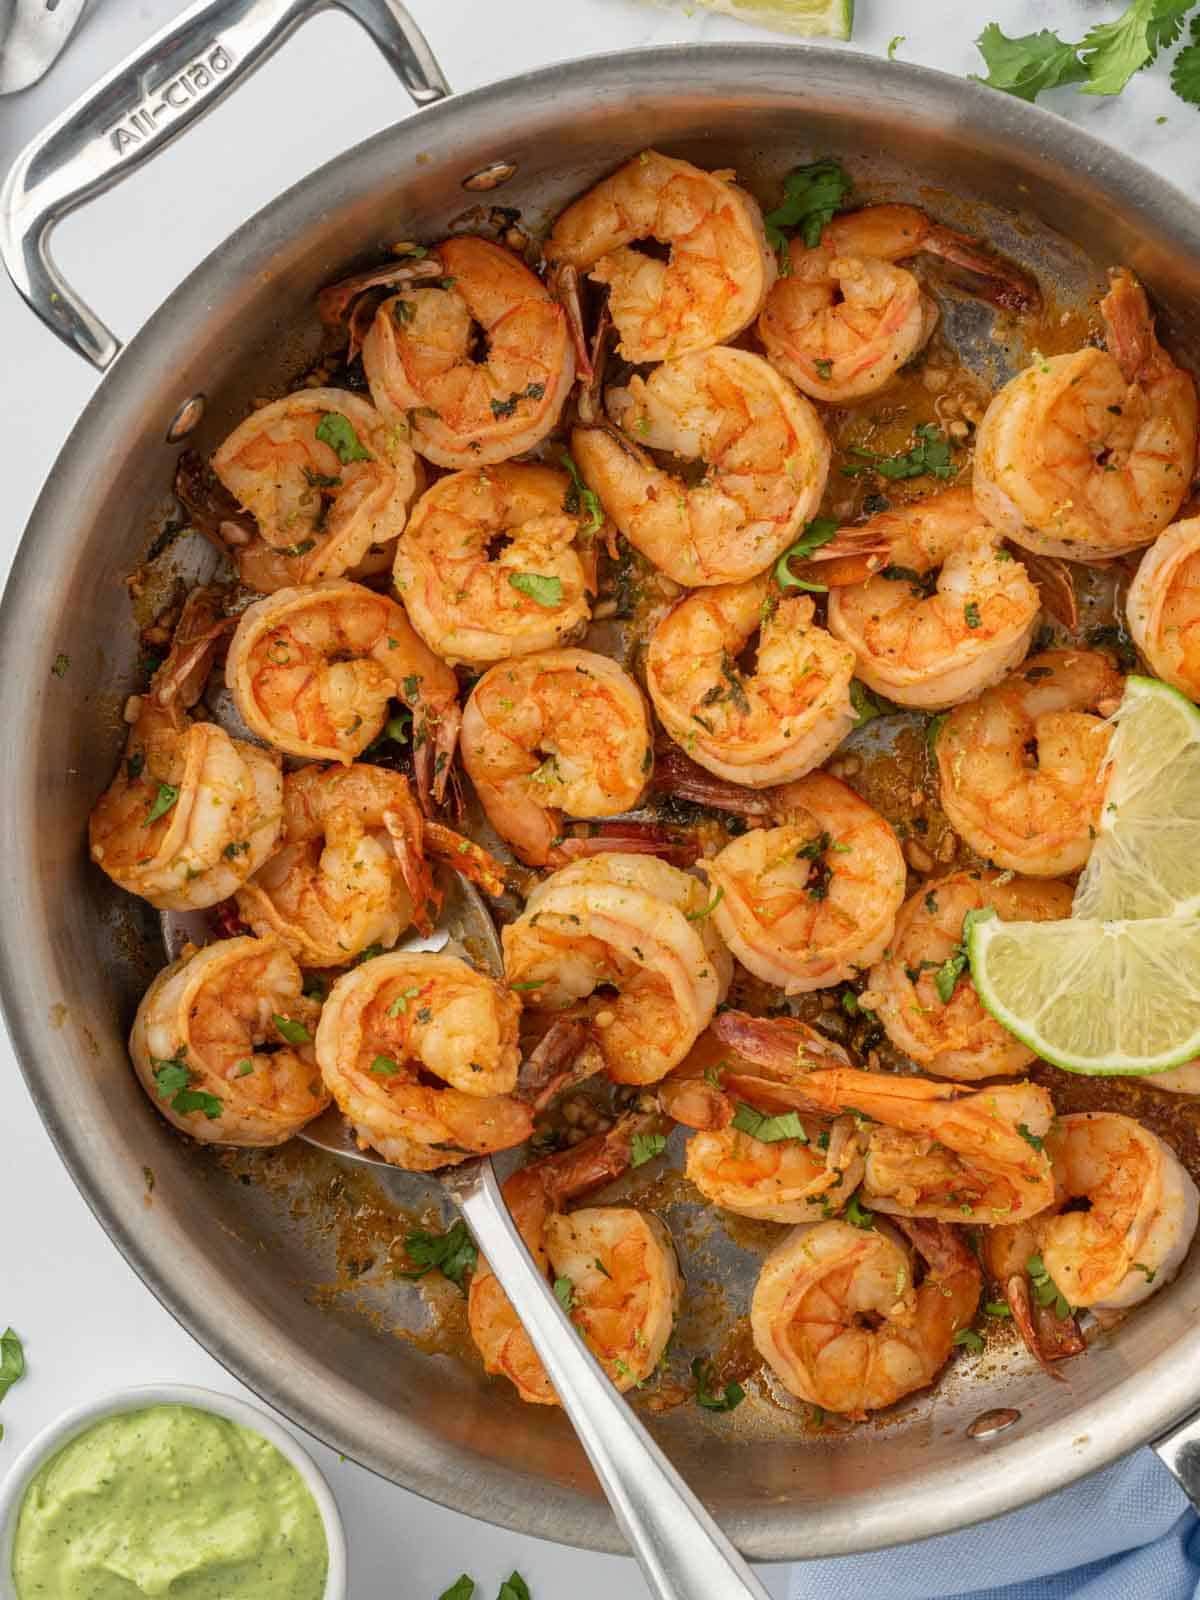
{"x": 1104, "y": 998}
{"x": 1146, "y": 858}
{"x": 829, "y": 19}
{"x": 1116, "y": 989}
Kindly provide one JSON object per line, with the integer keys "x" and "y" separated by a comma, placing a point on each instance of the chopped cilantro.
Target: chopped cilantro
{"x": 818, "y": 532}
{"x": 1030, "y": 1138}
{"x": 857, "y": 1214}
{"x": 338, "y": 433}
{"x": 546, "y": 591}
{"x": 730, "y": 1397}
{"x": 12, "y": 1361}
{"x": 564, "y": 1293}
{"x": 969, "y": 1338}
{"x": 645, "y": 1147}
{"x": 811, "y": 195}
{"x": 768, "y": 1130}
{"x": 453, "y": 1253}
{"x": 293, "y": 1032}
{"x": 162, "y": 803}
{"x": 580, "y": 500}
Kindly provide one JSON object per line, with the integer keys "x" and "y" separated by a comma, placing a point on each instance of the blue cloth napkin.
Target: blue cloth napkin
{"x": 1126, "y": 1533}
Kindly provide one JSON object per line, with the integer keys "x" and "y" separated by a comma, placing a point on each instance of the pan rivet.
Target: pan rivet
{"x": 491, "y": 176}
{"x": 185, "y": 419}
{"x": 989, "y": 1423}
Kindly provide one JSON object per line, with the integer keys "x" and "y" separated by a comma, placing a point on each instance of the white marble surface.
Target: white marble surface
{"x": 60, "y": 1275}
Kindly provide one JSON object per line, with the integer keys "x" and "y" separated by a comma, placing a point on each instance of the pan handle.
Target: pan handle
{"x": 1179, "y": 1452}
{"x": 139, "y": 108}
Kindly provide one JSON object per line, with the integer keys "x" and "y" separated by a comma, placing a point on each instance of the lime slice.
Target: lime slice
{"x": 1104, "y": 998}
{"x": 1146, "y": 858}
{"x": 830, "y": 19}
{"x": 1116, "y": 989}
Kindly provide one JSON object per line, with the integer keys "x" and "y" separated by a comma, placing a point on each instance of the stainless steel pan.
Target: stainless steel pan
{"x": 230, "y": 1260}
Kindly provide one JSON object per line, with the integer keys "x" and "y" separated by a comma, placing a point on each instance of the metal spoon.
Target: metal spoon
{"x": 682, "y": 1552}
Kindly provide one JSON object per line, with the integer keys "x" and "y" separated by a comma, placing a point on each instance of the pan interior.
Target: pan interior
{"x": 281, "y": 1263}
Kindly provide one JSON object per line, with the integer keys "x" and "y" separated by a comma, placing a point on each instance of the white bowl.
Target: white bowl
{"x": 60, "y": 1433}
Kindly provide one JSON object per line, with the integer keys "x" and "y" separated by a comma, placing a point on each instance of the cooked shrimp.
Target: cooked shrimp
{"x": 932, "y": 641}
{"x": 1122, "y": 1218}
{"x": 421, "y": 362}
{"x": 845, "y": 318}
{"x": 312, "y": 670}
{"x": 1022, "y": 767}
{"x": 1090, "y": 455}
{"x": 765, "y": 454}
{"x": 618, "y": 1267}
{"x": 1178, "y": 1080}
{"x": 1163, "y": 606}
{"x": 222, "y": 1044}
{"x": 191, "y": 813}
{"x": 838, "y": 1317}
{"x": 489, "y": 565}
{"x": 810, "y": 902}
{"x": 922, "y": 991}
{"x": 325, "y": 478}
{"x": 720, "y": 268}
{"x": 637, "y": 925}
{"x": 785, "y": 1180}
{"x": 939, "y": 1149}
{"x": 561, "y": 732}
{"x": 394, "y": 1022}
{"x": 352, "y": 871}
{"x": 761, "y": 727}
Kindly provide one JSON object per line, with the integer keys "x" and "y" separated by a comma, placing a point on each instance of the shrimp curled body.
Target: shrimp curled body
{"x": 1022, "y": 767}
{"x": 312, "y": 670}
{"x": 1090, "y": 455}
{"x": 1163, "y": 606}
{"x": 394, "y": 1022}
{"x": 471, "y": 606}
{"x": 931, "y": 639}
{"x": 760, "y": 728}
{"x": 805, "y": 904}
{"x": 633, "y": 923}
{"x": 763, "y": 446}
{"x": 208, "y": 1049}
{"x": 837, "y": 1318}
{"x": 560, "y": 732}
{"x": 420, "y": 359}
{"x": 720, "y": 268}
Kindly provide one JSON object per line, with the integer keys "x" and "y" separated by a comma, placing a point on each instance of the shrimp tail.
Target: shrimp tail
{"x": 941, "y": 1246}
{"x": 336, "y": 303}
{"x": 1048, "y": 1337}
{"x": 1129, "y": 326}
{"x": 563, "y": 1057}
{"x": 434, "y": 756}
{"x": 406, "y": 829}
{"x": 570, "y": 1173}
{"x": 630, "y": 837}
{"x": 676, "y": 775}
{"x": 1004, "y": 284}
{"x": 564, "y": 285}
{"x": 211, "y": 509}
{"x": 779, "y": 1044}
{"x": 852, "y": 556}
{"x": 465, "y": 856}
{"x": 180, "y": 680}
{"x": 1055, "y": 586}
{"x": 694, "y": 1102}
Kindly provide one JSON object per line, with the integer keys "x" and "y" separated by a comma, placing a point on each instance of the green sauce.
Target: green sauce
{"x": 169, "y": 1501}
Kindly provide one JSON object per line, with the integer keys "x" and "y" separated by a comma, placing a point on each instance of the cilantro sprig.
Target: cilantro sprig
{"x": 811, "y": 195}
{"x": 729, "y": 1398}
{"x": 930, "y": 453}
{"x": 1103, "y": 61}
{"x": 452, "y": 1253}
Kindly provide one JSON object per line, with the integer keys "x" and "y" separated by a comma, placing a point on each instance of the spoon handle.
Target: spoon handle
{"x": 681, "y": 1551}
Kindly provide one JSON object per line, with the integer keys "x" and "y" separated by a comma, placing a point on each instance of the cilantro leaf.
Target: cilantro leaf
{"x": 461, "y": 1589}
{"x": 293, "y": 1032}
{"x": 12, "y": 1361}
{"x": 170, "y": 1076}
{"x": 163, "y": 801}
{"x": 1114, "y": 51}
{"x": 337, "y": 431}
{"x": 580, "y": 500}
{"x": 546, "y": 591}
{"x": 197, "y": 1100}
{"x": 865, "y": 705}
{"x": 811, "y": 195}
{"x": 564, "y": 1293}
{"x": 818, "y": 532}
{"x": 1185, "y": 73}
{"x": 645, "y": 1147}
{"x": 969, "y": 1338}
{"x": 453, "y": 1253}
{"x": 857, "y": 1214}
{"x": 768, "y": 1130}
{"x": 1026, "y": 65}
{"x": 1045, "y": 1291}
{"x": 730, "y": 1397}
{"x": 514, "y": 1587}
{"x": 1033, "y": 1139}
{"x": 929, "y": 454}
